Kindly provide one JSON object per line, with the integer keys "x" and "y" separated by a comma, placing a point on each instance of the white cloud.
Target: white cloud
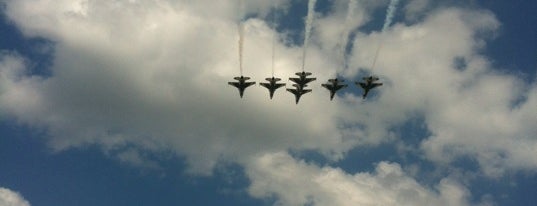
{"x": 295, "y": 182}
{"x": 415, "y": 8}
{"x": 11, "y": 198}
{"x": 469, "y": 111}
{"x": 151, "y": 76}
{"x": 155, "y": 76}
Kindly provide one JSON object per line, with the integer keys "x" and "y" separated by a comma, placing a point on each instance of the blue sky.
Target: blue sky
{"x": 123, "y": 104}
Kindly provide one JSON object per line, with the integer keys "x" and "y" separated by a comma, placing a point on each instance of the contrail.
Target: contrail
{"x": 241, "y": 33}
{"x": 273, "y": 52}
{"x": 241, "y": 43}
{"x": 307, "y": 32}
{"x": 275, "y": 6}
{"x": 345, "y": 32}
{"x": 376, "y": 55}
{"x": 389, "y": 17}
{"x": 390, "y": 14}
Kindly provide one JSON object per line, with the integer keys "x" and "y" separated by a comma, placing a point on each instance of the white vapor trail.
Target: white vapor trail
{"x": 241, "y": 33}
{"x": 241, "y": 43}
{"x": 390, "y": 14}
{"x": 307, "y": 31}
{"x": 345, "y": 32}
{"x": 275, "y": 6}
{"x": 389, "y": 17}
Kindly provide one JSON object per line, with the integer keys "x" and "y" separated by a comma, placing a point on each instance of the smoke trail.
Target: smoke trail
{"x": 390, "y": 14}
{"x": 342, "y": 44}
{"x": 275, "y": 6}
{"x": 307, "y": 32}
{"x": 241, "y": 43}
{"x": 273, "y": 52}
{"x": 241, "y": 33}
{"x": 376, "y": 55}
{"x": 389, "y": 17}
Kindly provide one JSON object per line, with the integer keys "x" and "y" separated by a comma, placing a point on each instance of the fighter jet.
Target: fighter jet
{"x": 299, "y": 91}
{"x": 241, "y": 84}
{"x": 302, "y": 80}
{"x": 368, "y": 84}
{"x": 272, "y": 85}
{"x": 334, "y": 86}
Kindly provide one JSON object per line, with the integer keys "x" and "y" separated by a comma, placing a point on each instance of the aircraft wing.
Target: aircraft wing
{"x": 308, "y": 80}
{"x": 294, "y": 91}
{"x": 294, "y": 79}
{"x": 328, "y": 86}
{"x": 235, "y": 84}
{"x": 279, "y": 85}
{"x": 340, "y": 86}
{"x": 304, "y": 91}
{"x": 376, "y": 85}
{"x": 363, "y": 85}
{"x": 267, "y": 85}
{"x": 247, "y": 84}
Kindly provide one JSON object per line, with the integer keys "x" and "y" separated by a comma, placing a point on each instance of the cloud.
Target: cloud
{"x": 415, "y": 9}
{"x": 295, "y": 182}
{"x": 470, "y": 111}
{"x": 154, "y": 77}
{"x": 136, "y": 77}
{"x": 11, "y": 198}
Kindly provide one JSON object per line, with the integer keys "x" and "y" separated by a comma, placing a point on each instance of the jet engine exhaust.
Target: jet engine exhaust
{"x": 307, "y": 30}
{"x": 342, "y": 44}
{"x": 390, "y": 13}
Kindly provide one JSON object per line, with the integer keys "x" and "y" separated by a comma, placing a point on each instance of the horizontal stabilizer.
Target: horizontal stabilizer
{"x": 303, "y": 73}
{"x": 241, "y": 78}
{"x": 273, "y": 79}
{"x": 336, "y": 80}
{"x": 298, "y": 86}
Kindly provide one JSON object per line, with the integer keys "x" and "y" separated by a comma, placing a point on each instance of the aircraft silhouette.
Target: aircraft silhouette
{"x": 302, "y": 79}
{"x": 298, "y": 91}
{"x": 334, "y": 86}
{"x": 241, "y": 84}
{"x": 272, "y": 85}
{"x": 368, "y": 84}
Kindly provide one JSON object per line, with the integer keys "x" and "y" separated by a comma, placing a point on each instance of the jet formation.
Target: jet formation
{"x": 300, "y": 84}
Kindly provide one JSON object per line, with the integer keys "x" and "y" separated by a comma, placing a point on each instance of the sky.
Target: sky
{"x": 126, "y": 102}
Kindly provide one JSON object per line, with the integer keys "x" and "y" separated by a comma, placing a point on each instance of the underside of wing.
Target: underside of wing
{"x": 341, "y": 86}
{"x": 294, "y": 79}
{"x": 235, "y": 84}
{"x": 294, "y": 91}
{"x": 304, "y": 91}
